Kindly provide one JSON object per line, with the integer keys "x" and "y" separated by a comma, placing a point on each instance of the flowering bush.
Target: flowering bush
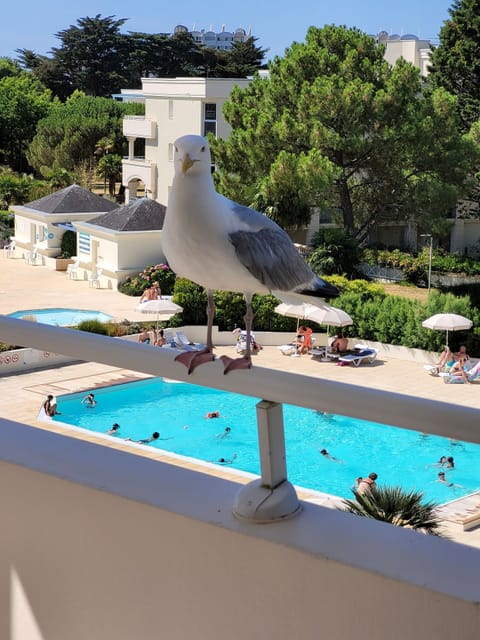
{"x": 161, "y": 273}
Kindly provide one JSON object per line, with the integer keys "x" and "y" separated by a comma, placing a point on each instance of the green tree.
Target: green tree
{"x": 23, "y": 102}
{"x": 336, "y": 126}
{"x": 69, "y": 135}
{"x": 399, "y": 507}
{"x": 456, "y": 61}
{"x": 18, "y": 189}
{"x": 92, "y": 55}
{"x": 9, "y": 67}
{"x": 110, "y": 169}
{"x": 242, "y": 60}
{"x": 334, "y": 251}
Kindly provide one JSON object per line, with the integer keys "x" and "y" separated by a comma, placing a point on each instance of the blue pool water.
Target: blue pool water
{"x": 177, "y": 410}
{"x": 62, "y": 317}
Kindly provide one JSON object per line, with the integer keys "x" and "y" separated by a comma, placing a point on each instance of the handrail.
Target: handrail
{"x": 429, "y": 416}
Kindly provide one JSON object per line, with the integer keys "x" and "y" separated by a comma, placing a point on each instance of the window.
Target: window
{"x": 210, "y": 120}
{"x": 170, "y": 109}
{"x": 84, "y": 243}
{"x": 170, "y": 151}
{"x": 210, "y": 111}
{"x": 210, "y": 127}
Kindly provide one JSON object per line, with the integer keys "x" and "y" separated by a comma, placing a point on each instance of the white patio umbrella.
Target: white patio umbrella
{"x": 447, "y": 322}
{"x": 330, "y": 316}
{"x": 163, "y": 308}
{"x": 299, "y": 311}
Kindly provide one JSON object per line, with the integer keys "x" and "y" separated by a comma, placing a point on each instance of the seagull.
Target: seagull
{"x": 223, "y": 245}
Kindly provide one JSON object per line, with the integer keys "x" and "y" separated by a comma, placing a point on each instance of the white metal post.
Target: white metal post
{"x": 272, "y": 497}
{"x": 271, "y": 440}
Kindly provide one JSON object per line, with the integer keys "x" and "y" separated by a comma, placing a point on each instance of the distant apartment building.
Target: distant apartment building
{"x": 414, "y": 50}
{"x": 222, "y": 39}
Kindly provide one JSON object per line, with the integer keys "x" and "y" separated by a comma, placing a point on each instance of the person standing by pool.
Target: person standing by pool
{"x": 89, "y": 400}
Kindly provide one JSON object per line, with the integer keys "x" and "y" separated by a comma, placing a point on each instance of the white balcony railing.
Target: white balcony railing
{"x": 139, "y": 127}
{"x": 68, "y": 515}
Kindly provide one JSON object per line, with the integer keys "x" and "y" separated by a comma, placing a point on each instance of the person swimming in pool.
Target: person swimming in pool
{"x": 225, "y": 433}
{"x": 441, "y": 478}
{"x": 325, "y": 454}
{"x": 114, "y": 430}
{"x": 155, "y": 436}
{"x": 89, "y": 400}
{"x": 212, "y": 414}
{"x": 225, "y": 461}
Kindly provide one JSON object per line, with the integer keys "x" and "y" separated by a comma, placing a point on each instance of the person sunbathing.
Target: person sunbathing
{"x": 448, "y": 357}
{"x": 339, "y": 344}
{"x": 458, "y": 370}
{"x": 460, "y": 373}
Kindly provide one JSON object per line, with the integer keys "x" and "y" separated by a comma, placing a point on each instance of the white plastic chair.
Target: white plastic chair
{"x": 30, "y": 257}
{"x": 72, "y": 269}
{"x": 9, "y": 249}
{"x": 94, "y": 278}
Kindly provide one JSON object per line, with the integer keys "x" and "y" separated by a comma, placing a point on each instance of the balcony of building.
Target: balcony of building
{"x": 139, "y": 127}
{"x": 137, "y": 169}
{"x": 100, "y": 541}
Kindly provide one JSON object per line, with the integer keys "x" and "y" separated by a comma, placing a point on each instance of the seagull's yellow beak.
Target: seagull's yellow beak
{"x": 187, "y": 163}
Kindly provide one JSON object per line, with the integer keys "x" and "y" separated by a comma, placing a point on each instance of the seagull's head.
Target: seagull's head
{"x": 192, "y": 153}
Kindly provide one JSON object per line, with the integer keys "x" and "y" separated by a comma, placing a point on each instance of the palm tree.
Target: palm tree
{"x": 110, "y": 169}
{"x": 398, "y": 507}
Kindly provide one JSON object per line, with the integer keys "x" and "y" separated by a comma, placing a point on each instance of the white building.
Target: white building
{"x": 173, "y": 107}
{"x": 414, "y": 50}
{"x": 222, "y": 39}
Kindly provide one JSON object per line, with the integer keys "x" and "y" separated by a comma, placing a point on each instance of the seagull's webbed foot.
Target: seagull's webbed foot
{"x": 229, "y": 364}
{"x": 193, "y": 359}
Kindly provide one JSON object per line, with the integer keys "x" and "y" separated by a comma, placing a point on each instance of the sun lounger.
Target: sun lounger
{"x": 184, "y": 343}
{"x": 241, "y": 345}
{"x": 288, "y": 349}
{"x": 358, "y": 356}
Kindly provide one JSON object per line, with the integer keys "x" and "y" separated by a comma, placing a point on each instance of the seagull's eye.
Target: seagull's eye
{"x": 202, "y": 149}
{"x": 176, "y": 149}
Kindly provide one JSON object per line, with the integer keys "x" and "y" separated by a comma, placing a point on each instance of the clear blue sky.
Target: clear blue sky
{"x": 31, "y": 24}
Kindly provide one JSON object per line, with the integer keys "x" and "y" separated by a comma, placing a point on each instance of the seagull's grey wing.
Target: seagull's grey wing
{"x": 252, "y": 218}
{"x": 271, "y": 257}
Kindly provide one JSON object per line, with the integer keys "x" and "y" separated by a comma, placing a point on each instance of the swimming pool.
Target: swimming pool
{"x": 177, "y": 411}
{"x": 61, "y": 317}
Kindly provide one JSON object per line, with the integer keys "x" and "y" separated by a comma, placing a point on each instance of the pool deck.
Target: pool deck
{"x": 28, "y": 287}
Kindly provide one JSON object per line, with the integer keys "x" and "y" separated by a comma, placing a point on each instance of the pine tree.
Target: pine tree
{"x": 456, "y": 61}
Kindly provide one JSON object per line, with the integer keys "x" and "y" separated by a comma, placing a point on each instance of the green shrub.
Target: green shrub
{"x": 193, "y": 299}
{"x": 68, "y": 245}
{"x": 8, "y": 347}
{"x": 334, "y": 252}
{"x": 160, "y": 273}
{"x": 415, "y": 267}
{"x": 93, "y": 326}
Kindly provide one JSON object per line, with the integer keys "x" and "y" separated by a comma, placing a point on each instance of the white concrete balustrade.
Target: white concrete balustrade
{"x": 101, "y": 543}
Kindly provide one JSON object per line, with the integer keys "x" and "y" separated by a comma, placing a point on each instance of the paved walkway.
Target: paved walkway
{"x": 27, "y": 287}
